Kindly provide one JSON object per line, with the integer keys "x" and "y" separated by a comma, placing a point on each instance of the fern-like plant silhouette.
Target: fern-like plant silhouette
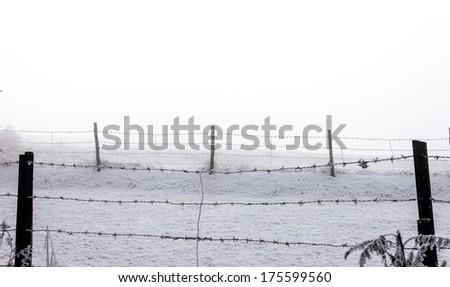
{"x": 4, "y": 233}
{"x": 391, "y": 248}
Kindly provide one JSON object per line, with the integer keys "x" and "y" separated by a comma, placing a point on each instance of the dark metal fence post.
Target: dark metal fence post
{"x": 213, "y": 147}
{"x": 330, "y": 148}
{"x": 425, "y": 224}
{"x": 24, "y": 220}
{"x": 97, "y": 148}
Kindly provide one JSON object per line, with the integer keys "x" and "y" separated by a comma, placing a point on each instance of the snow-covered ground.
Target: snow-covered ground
{"x": 327, "y": 223}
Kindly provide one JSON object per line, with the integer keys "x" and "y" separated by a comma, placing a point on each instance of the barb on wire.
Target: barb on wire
{"x": 193, "y": 238}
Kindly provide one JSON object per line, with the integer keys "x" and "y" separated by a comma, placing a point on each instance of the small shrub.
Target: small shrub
{"x": 393, "y": 253}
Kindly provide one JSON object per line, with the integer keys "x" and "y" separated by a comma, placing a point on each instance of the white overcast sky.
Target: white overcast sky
{"x": 382, "y": 67}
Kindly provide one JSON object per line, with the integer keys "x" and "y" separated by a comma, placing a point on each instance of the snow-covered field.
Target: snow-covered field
{"x": 327, "y": 223}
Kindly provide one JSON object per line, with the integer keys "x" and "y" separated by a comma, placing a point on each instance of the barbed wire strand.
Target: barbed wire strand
{"x": 54, "y": 143}
{"x": 192, "y": 238}
{"x": 225, "y": 134}
{"x": 10, "y": 163}
{"x": 167, "y": 202}
{"x": 47, "y": 132}
{"x": 228, "y": 145}
{"x": 362, "y": 163}
{"x": 438, "y": 157}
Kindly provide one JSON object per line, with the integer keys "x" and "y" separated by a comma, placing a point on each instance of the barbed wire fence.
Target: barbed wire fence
{"x": 138, "y": 167}
{"x": 135, "y": 147}
{"x": 198, "y": 238}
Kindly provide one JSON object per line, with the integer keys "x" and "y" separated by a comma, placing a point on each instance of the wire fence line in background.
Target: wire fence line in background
{"x": 228, "y": 145}
{"x": 46, "y": 132}
{"x": 53, "y": 143}
{"x": 225, "y": 134}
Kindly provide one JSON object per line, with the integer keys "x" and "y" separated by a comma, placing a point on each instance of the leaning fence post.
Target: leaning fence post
{"x": 97, "y": 148}
{"x": 213, "y": 147}
{"x": 330, "y": 149}
{"x": 425, "y": 224}
{"x": 24, "y": 219}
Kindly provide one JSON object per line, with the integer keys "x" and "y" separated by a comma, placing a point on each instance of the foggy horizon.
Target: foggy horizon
{"x": 383, "y": 72}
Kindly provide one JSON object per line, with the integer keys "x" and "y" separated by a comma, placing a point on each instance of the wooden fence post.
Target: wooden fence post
{"x": 213, "y": 147}
{"x": 330, "y": 149}
{"x": 425, "y": 224}
{"x": 51, "y": 146}
{"x": 24, "y": 219}
{"x": 97, "y": 147}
